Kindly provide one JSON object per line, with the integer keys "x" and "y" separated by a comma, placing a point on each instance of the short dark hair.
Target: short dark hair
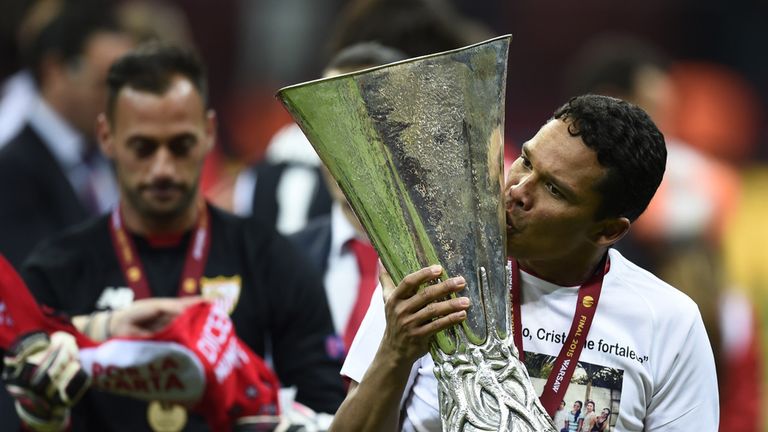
{"x": 67, "y": 34}
{"x": 151, "y": 68}
{"x": 627, "y": 143}
{"x": 417, "y": 27}
{"x": 365, "y": 54}
{"x": 611, "y": 63}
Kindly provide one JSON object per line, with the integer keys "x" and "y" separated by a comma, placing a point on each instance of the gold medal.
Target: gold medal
{"x": 166, "y": 417}
{"x": 134, "y": 274}
{"x": 189, "y": 285}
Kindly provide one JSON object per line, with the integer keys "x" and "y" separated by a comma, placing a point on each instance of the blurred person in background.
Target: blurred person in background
{"x": 286, "y": 189}
{"x": 45, "y": 183}
{"x": 336, "y": 244}
{"x": 51, "y": 173}
{"x": 155, "y": 20}
{"x": 164, "y": 240}
{"x": 90, "y": 43}
{"x": 415, "y": 27}
{"x": 680, "y": 235}
{"x": 20, "y": 21}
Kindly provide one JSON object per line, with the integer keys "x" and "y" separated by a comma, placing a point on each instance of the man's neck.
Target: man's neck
{"x": 571, "y": 271}
{"x": 147, "y": 226}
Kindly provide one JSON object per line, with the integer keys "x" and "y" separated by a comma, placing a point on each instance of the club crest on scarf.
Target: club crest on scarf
{"x": 222, "y": 290}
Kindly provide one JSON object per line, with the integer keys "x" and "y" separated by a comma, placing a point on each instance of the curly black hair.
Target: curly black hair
{"x": 628, "y": 144}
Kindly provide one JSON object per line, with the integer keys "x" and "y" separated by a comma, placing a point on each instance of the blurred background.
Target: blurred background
{"x": 700, "y": 68}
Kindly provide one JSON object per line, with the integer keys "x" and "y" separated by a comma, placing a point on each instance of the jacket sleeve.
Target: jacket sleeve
{"x": 40, "y": 272}
{"x": 302, "y": 329}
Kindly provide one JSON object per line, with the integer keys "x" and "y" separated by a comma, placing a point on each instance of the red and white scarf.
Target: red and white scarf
{"x": 196, "y": 361}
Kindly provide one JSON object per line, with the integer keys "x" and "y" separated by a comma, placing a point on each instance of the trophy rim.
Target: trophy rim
{"x": 507, "y": 36}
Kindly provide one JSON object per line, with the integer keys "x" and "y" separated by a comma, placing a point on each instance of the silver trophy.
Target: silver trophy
{"x": 417, "y": 148}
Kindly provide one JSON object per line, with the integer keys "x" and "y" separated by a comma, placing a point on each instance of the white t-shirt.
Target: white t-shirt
{"x": 647, "y": 353}
{"x": 342, "y": 274}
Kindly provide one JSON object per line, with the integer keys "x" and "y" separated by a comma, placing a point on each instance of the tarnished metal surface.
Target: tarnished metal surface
{"x": 417, "y": 148}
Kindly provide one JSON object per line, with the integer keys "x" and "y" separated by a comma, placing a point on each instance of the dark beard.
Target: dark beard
{"x": 161, "y": 216}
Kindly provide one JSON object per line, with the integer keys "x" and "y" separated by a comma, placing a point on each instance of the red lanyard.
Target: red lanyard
{"x": 565, "y": 364}
{"x": 133, "y": 271}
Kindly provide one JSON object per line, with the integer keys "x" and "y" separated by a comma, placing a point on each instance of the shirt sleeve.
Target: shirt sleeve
{"x": 367, "y": 339}
{"x": 685, "y": 396}
{"x": 419, "y": 407}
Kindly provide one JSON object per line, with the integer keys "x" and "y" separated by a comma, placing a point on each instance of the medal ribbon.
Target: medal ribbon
{"x": 133, "y": 271}
{"x": 566, "y": 361}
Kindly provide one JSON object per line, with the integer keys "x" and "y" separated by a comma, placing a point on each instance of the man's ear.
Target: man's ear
{"x": 104, "y": 135}
{"x": 211, "y": 125}
{"x": 611, "y": 230}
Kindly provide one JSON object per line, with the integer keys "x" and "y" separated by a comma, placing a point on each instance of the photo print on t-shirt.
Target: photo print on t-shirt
{"x": 590, "y": 381}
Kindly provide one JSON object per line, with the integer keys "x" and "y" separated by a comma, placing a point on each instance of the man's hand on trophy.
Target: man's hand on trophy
{"x": 414, "y": 316}
{"x": 44, "y": 376}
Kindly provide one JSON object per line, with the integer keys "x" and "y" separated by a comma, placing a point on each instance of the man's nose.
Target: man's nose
{"x": 163, "y": 164}
{"x": 519, "y": 192}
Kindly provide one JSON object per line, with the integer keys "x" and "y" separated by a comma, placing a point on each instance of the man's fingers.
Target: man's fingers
{"x": 387, "y": 286}
{"x": 149, "y": 309}
{"x": 432, "y": 327}
{"x": 411, "y": 283}
{"x": 440, "y": 309}
{"x": 436, "y": 292}
{"x": 142, "y": 332}
{"x": 414, "y": 316}
{"x": 385, "y": 279}
{"x": 176, "y": 306}
{"x": 191, "y": 300}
